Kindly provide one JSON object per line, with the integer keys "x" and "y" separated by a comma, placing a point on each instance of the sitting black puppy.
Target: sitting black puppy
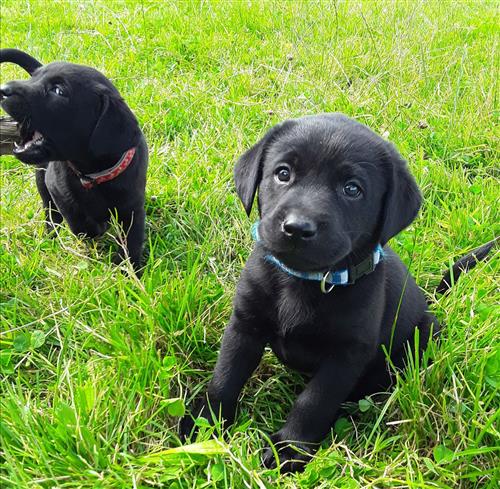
{"x": 321, "y": 286}
{"x": 87, "y": 144}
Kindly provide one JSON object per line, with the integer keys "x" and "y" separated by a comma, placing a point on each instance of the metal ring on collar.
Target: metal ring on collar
{"x": 323, "y": 283}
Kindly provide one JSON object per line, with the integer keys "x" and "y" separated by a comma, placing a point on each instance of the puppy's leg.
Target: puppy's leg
{"x": 83, "y": 225}
{"x": 241, "y": 351}
{"x": 78, "y": 221}
{"x": 52, "y": 214}
{"x": 314, "y": 411}
{"x": 429, "y": 328}
{"x": 380, "y": 376}
{"x": 133, "y": 227}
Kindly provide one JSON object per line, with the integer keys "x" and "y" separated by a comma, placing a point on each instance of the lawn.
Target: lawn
{"x": 96, "y": 364}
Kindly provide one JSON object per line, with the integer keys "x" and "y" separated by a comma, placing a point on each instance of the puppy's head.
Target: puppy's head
{"x": 328, "y": 188}
{"x": 68, "y": 112}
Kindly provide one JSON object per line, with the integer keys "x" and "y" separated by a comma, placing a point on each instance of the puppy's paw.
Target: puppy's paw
{"x": 187, "y": 426}
{"x": 118, "y": 258}
{"x": 292, "y": 455}
{"x": 87, "y": 228}
{"x": 96, "y": 229}
{"x": 50, "y": 229}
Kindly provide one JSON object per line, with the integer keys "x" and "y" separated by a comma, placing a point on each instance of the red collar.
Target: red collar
{"x": 88, "y": 181}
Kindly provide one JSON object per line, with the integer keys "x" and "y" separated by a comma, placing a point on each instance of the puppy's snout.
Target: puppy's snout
{"x": 298, "y": 227}
{"x": 12, "y": 88}
{"x": 6, "y": 91}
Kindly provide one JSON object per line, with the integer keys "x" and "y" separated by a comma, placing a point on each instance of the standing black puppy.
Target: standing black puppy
{"x": 91, "y": 153}
{"x": 318, "y": 288}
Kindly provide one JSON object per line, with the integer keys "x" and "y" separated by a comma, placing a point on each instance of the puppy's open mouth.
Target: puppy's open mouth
{"x": 33, "y": 147}
{"x": 28, "y": 142}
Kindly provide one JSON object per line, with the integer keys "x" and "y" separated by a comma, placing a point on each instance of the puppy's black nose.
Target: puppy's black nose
{"x": 5, "y": 91}
{"x": 297, "y": 227}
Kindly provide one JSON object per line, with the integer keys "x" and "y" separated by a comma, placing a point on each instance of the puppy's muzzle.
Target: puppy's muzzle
{"x": 298, "y": 227}
{"x": 5, "y": 91}
{"x": 11, "y": 88}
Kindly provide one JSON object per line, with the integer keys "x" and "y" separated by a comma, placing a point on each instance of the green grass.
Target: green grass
{"x": 93, "y": 359}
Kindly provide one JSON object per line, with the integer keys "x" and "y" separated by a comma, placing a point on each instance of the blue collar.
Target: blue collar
{"x": 331, "y": 278}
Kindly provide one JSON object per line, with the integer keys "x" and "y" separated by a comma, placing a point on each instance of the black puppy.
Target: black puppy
{"x": 87, "y": 144}
{"x": 318, "y": 287}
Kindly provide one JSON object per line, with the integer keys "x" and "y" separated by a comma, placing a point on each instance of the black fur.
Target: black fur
{"x": 310, "y": 224}
{"x": 83, "y": 120}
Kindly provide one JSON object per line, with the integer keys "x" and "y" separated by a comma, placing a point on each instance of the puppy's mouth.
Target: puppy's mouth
{"x": 33, "y": 146}
{"x": 306, "y": 258}
{"x": 35, "y": 138}
{"x": 302, "y": 262}
{"x": 314, "y": 256}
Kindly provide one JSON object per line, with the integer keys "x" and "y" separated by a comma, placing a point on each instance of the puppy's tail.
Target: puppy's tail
{"x": 24, "y": 60}
{"x": 464, "y": 264}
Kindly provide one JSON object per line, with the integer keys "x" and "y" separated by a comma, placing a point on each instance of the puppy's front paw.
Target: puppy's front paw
{"x": 187, "y": 427}
{"x": 50, "y": 229}
{"x": 87, "y": 228}
{"x": 292, "y": 455}
{"x": 95, "y": 229}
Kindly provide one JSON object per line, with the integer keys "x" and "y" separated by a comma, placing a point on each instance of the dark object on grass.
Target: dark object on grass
{"x": 331, "y": 193}
{"x": 10, "y": 134}
{"x": 464, "y": 264}
{"x": 78, "y": 130}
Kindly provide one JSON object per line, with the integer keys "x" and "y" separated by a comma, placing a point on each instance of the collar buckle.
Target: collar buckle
{"x": 364, "y": 268}
{"x": 323, "y": 283}
{"x": 87, "y": 181}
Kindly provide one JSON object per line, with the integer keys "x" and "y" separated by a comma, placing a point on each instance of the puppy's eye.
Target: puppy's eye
{"x": 352, "y": 189}
{"x": 58, "y": 90}
{"x": 282, "y": 174}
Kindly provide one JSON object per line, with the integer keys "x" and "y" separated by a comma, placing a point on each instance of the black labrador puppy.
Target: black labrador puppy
{"x": 321, "y": 286}
{"x": 91, "y": 154}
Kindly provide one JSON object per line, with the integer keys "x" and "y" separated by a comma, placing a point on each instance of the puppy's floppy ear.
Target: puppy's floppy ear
{"x": 402, "y": 201}
{"x": 116, "y": 129}
{"x": 248, "y": 169}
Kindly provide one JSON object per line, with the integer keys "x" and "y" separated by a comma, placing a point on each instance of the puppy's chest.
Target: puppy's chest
{"x": 65, "y": 187}
{"x": 293, "y": 310}
{"x": 56, "y": 180}
{"x": 304, "y": 329}
{"x": 304, "y": 308}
